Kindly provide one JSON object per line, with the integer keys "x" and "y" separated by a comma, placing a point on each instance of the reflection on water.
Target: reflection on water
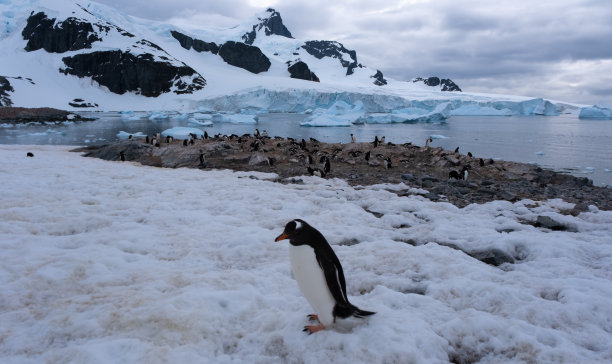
{"x": 566, "y": 143}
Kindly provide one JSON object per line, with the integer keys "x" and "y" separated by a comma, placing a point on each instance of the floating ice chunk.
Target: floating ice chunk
{"x": 438, "y": 136}
{"x": 607, "y": 170}
{"x": 599, "y": 111}
{"x": 122, "y": 135}
{"x": 234, "y": 118}
{"x": 181, "y": 117}
{"x": 182, "y": 132}
{"x": 539, "y": 153}
{"x": 200, "y": 122}
{"x": 157, "y": 115}
{"x": 202, "y": 116}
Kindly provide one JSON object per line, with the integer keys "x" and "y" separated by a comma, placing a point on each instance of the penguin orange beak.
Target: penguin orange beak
{"x": 281, "y": 237}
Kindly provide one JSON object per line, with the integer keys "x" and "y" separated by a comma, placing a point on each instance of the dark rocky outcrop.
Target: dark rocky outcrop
{"x": 301, "y": 71}
{"x": 445, "y": 83}
{"x": 5, "y": 88}
{"x": 325, "y": 48}
{"x": 273, "y": 24}
{"x": 122, "y": 72}
{"x": 245, "y": 56}
{"x": 37, "y": 114}
{"x": 70, "y": 35}
{"x": 198, "y": 45}
{"x": 379, "y": 80}
{"x": 81, "y": 103}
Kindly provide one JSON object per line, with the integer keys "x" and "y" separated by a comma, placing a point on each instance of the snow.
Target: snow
{"x": 114, "y": 262}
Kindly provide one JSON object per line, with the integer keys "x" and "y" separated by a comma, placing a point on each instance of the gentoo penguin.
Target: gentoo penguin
{"x": 376, "y": 141}
{"x": 122, "y": 156}
{"x": 429, "y": 140}
{"x": 352, "y": 138}
{"x": 453, "y": 174}
{"x": 469, "y": 154}
{"x": 315, "y": 172}
{"x": 257, "y": 133}
{"x": 464, "y": 172}
{"x": 387, "y": 162}
{"x": 205, "y": 135}
{"x": 457, "y": 150}
{"x": 147, "y": 139}
{"x": 367, "y": 155}
{"x": 319, "y": 274}
{"x": 327, "y": 166}
{"x": 264, "y": 134}
{"x": 481, "y": 162}
{"x": 382, "y": 140}
{"x": 130, "y": 137}
{"x": 184, "y": 142}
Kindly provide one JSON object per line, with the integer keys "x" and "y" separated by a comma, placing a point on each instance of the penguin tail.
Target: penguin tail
{"x": 362, "y": 313}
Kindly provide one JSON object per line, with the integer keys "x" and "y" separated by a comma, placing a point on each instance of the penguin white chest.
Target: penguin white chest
{"x": 311, "y": 280}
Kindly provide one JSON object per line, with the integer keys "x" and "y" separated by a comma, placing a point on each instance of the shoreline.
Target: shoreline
{"x": 425, "y": 168}
{"x": 18, "y": 115}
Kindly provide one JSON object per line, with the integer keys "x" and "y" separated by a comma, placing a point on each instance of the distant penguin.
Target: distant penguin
{"x": 157, "y": 136}
{"x": 257, "y": 135}
{"x": 147, "y": 140}
{"x": 382, "y": 140}
{"x": 352, "y": 138}
{"x": 255, "y": 145}
{"x": 315, "y": 172}
{"x": 205, "y": 135}
{"x": 453, "y": 174}
{"x": 185, "y": 142}
{"x": 319, "y": 275}
{"x": 376, "y": 141}
{"x": 303, "y": 144}
{"x": 309, "y": 159}
{"x": 428, "y": 141}
{"x": 457, "y": 150}
{"x": 464, "y": 172}
{"x": 122, "y": 156}
{"x": 130, "y": 137}
{"x": 368, "y": 155}
{"x": 481, "y": 162}
{"x": 201, "y": 157}
{"x": 30, "y": 154}
{"x": 191, "y": 142}
{"x": 314, "y": 140}
{"x": 153, "y": 141}
{"x": 327, "y": 166}
{"x": 264, "y": 134}
{"x": 469, "y": 154}
{"x": 387, "y": 162}
{"x": 169, "y": 139}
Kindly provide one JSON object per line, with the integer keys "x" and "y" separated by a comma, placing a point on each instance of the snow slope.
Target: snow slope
{"x": 41, "y": 84}
{"x": 111, "y": 262}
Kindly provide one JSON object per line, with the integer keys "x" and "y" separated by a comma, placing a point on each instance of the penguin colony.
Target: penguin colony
{"x": 319, "y": 275}
{"x": 316, "y": 158}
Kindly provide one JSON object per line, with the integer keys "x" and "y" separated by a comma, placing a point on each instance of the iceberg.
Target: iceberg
{"x": 340, "y": 113}
{"x": 158, "y": 115}
{"x": 199, "y": 122}
{"x": 182, "y": 132}
{"x": 234, "y": 118}
{"x": 598, "y": 111}
{"x": 122, "y": 135}
{"x": 411, "y": 115}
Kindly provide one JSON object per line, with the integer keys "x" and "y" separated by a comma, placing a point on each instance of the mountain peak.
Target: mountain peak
{"x": 272, "y": 24}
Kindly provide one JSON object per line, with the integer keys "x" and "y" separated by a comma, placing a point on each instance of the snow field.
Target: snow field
{"x": 111, "y": 262}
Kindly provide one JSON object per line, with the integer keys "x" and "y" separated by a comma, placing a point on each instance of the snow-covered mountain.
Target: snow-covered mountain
{"x": 69, "y": 55}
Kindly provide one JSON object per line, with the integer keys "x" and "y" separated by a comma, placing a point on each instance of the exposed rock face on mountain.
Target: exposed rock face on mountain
{"x": 123, "y": 71}
{"x": 325, "y": 48}
{"x": 301, "y": 71}
{"x": 5, "y": 88}
{"x": 273, "y": 24}
{"x": 445, "y": 83}
{"x": 379, "y": 80}
{"x": 198, "y": 45}
{"x": 69, "y": 35}
{"x": 244, "y": 56}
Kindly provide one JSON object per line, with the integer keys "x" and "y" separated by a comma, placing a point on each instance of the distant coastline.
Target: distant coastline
{"x": 37, "y": 114}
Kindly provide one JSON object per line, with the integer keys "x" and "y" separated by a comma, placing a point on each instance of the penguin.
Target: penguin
{"x": 382, "y": 140}
{"x": 469, "y": 154}
{"x": 352, "y": 138}
{"x": 457, "y": 150}
{"x": 303, "y": 144}
{"x": 147, "y": 139}
{"x": 30, "y": 154}
{"x": 464, "y": 172}
{"x": 387, "y": 162}
{"x": 169, "y": 139}
{"x": 309, "y": 159}
{"x": 264, "y": 134}
{"x": 122, "y": 156}
{"x": 158, "y": 136}
{"x": 130, "y": 137}
{"x": 184, "y": 142}
{"x": 327, "y": 166}
{"x": 153, "y": 141}
{"x": 205, "y": 135}
{"x": 316, "y": 172}
{"x": 453, "y": 174}
{"x": 319, "y": 275}
{"x": 429, "y": 140}
{"x": 257, "y": 133}
{"x": 481, "y": 162}
{"x": 202, "y": 162}
{"x": 376, "y": 141}
{"x": 367, "y": 155}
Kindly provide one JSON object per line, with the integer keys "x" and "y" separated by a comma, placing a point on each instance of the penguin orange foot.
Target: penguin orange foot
{"x": 313, "y": 317}
{"x": 311, "y": 329}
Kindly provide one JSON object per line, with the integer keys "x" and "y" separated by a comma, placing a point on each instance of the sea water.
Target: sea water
{"x": 563, "y": 143}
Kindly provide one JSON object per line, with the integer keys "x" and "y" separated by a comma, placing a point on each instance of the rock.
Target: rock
{"x": 379, "y": 80}
{"x": 506, "y": 195}
{"x": 198, "y": 45}
{"x": 81, "y": 103}
{"x": 244, "y": 56}
{"x": 123, "y": 71}
{"x": 5, "y": 88}
{"x": 273, "y": 24}
{"x": 429, "y": 178}
{"x": 445, "y": 84}
{"x": 550, "y": 223}
{"x": 69, "y": 35}
{"x": 258, "y": 159}
{"x": 493, "y": 257}
{"x": 325, "y": 48}
{"x": 409, "y": 177}
{"x": 486, "y": 182}
{"x": 301, "y": 71}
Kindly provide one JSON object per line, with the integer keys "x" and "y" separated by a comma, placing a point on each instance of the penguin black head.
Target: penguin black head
{"x": 30, "y": 154}
{"x": 299, "y": 232}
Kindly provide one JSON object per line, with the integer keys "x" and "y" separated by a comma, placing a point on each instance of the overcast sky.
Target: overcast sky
{"x": 557, "y": 49}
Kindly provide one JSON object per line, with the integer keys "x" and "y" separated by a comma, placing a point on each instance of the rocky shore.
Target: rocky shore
{"x": 38, "y": 114}
{"x": 424, "y": 168}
